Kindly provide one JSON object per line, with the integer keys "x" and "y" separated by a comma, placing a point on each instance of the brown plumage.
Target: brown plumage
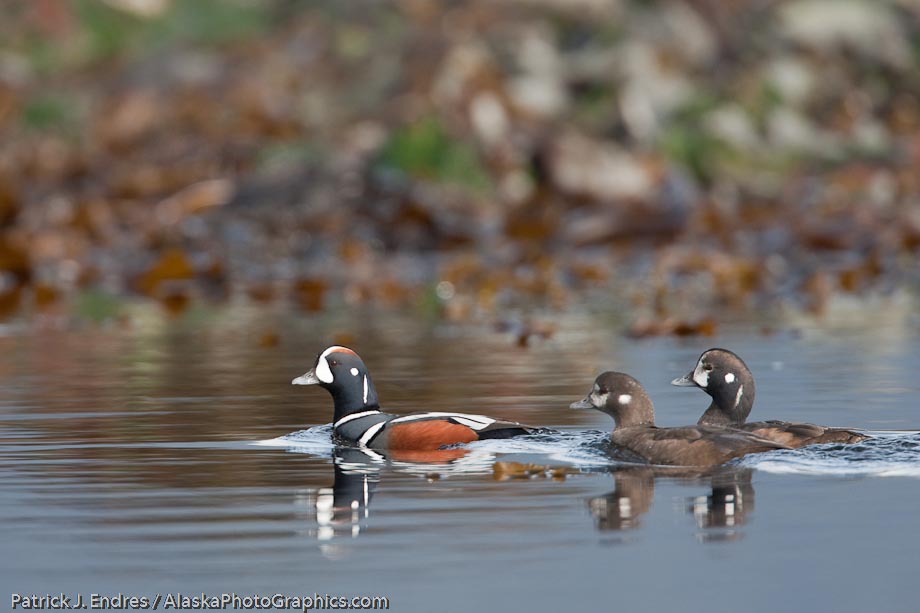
{"x": 727, "y": 379}
{"x": 624, "y": 398}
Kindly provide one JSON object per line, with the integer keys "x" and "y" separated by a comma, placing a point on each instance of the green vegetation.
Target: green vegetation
{"x": 49, "y": 112}
{"x": 98, "y": 306}
{"x": 687, "y": 142}
{"x": 424, "y": 150}
{"x": 106, "y": 32}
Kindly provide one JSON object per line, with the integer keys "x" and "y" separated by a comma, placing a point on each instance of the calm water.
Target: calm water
{"x": 176, "y": 457}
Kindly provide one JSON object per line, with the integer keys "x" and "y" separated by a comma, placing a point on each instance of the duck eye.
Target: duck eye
{"x": 707, "y": 367}
{"x": 333, "y": 363}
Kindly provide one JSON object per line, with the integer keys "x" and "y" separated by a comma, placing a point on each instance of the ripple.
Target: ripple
{"x": 888, "y": 454}
{"x": 581, "y": 449}
{"x": 316, "y": 440}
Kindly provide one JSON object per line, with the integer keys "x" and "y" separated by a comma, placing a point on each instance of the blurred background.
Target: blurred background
{"x": 478, "y": 160}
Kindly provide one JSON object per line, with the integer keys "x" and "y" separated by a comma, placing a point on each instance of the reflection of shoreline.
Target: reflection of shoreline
{"x": 718, "y": 514}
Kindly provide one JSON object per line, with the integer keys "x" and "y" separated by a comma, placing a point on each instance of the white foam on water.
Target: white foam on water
{"x": 316, "y": 440}
{"x": 888, "y": 454}
{"x": 584, "y": 449}
{"x": 840, "y": 469}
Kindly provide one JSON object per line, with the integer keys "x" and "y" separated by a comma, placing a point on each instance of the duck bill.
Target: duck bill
{"x": 584, "y": 403}
{"x": 685, "y": 381}
{"x": 309, "y": 378}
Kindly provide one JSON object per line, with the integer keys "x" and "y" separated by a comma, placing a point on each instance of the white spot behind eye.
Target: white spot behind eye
{"x": 730, "y": 378}
{"x": 624, "y": 399}
{"x": 354, "y": 372}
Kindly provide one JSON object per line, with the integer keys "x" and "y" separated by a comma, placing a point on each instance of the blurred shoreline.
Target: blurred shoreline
{"x": 469, "y": 160}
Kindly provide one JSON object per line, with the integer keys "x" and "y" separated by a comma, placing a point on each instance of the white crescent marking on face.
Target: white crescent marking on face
{"x": 700, "y": 376}
{"x": 354, "y": 372}
{"x": 624, "y": 399}
{"x": 730, "y": 378}
{"x": 365, "y": 389}
{"x": 322, "y": 370}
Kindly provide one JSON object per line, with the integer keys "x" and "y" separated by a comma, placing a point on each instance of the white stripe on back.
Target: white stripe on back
{"x": 476, "y": 422}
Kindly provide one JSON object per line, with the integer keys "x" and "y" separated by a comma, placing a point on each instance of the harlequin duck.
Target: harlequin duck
{"x": 724, "y": 376}
{"x": 359, "y": 420}
{"x": 624, "y": 398}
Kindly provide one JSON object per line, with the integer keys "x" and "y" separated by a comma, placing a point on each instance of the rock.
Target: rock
{"x": 731, "y": 124}
{"x": 869, "y": 27}
{"x": 600, "y": 170}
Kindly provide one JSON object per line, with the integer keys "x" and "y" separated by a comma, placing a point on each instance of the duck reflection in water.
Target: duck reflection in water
{"x": 718, "y": 514}
{"x": 622, "y": 508}
{"x": 726, "y": 508}
{"x": 342, "y": 510}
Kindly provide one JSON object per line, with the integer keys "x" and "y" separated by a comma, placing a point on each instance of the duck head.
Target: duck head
{"x": 727, "y": 379}
{"x": 622, "y": 397}
{"x": 343, "y": 374}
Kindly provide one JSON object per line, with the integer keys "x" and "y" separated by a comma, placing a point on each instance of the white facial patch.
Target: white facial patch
{"x": 354, "y": 372}
{"x": 624, "y": 399}
{"x": 701, "y": 376}
{"x": 730, "y": 378}
{"x": 599, "y": 400}
{"x": 738, "y": 395}
{"x": 365, "y": 389}
{"x": 322, "y": 370}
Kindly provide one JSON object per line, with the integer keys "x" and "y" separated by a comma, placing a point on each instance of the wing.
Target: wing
{"x": 482, "y": 426}
{"x": 692, "y": 445}
{"x": 799, "y": 434}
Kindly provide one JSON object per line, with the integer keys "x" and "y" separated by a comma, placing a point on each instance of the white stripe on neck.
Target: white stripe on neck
{"x": 348, "y": 418}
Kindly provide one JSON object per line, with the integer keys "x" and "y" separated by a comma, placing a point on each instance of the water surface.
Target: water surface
{"x": 173, "y": 455}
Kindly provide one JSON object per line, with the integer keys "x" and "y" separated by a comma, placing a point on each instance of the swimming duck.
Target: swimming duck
{"x": 727, "y": 379}
{"x": 360, "y": 421}
{"x": 624, "y": 398}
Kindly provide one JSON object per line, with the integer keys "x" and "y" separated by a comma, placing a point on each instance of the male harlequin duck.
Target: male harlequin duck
{"x": 724, "y": 376}
{"x": 624, "y": 398}
{"x": 359, "y": 420}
